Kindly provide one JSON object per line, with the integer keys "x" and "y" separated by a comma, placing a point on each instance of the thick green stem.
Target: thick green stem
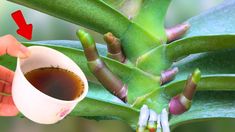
{"x": 152, "y": 16}
{"x": 154, "y": 61}
{"x": 136, "y": 42}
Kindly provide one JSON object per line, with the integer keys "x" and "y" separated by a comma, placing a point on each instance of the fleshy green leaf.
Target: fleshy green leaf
{"x": 93, "y": 14}
{"x": 163, "y": 56}
{"x": 218, "y": 73}
{"x": 106, "y": 106}
{"x": 212, "y": 30}
{"x": 199, "y": 44}
{"x": 98, "y": 16}
{"x": 115, "y": 3}
{"x": 218, "y": 20}
{"x": 130, "y": 8}
{"x": 207, "y": 105}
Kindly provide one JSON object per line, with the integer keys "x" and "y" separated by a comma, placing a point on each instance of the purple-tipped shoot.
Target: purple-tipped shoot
{"x": 182, "y": 102}
{"x": 177, "y": 31}
{"x": 168, "y": 75}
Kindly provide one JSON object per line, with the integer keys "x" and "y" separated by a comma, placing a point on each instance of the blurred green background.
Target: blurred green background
{"x": 49, "y": 28}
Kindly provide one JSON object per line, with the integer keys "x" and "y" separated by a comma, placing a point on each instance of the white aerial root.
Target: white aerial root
{"x": 151, "y": 120}
{"x": 159, "y": 126}
{"x": 164, "y": 121}
{"x": 153, "y": 116}
{"x": 143, "y": 118}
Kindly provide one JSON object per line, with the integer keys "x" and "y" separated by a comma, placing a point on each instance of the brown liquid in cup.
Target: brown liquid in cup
{"x": 56, "y": 82}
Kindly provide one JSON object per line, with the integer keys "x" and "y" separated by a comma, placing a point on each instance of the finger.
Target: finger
{"x": 5, "y": 88}
{"x": 6, "y": 74}
{"x": 7, "y": 106}
{"x": 9, "y": 45}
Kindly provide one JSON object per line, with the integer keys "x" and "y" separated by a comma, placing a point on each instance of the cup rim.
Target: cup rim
{"x": 77, "y": 99}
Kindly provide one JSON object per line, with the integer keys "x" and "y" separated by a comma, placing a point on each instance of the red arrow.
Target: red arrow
{"x": 25, "y": 29}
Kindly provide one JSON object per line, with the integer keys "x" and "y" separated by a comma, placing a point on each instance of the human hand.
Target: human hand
{"x": 9, "y": 45}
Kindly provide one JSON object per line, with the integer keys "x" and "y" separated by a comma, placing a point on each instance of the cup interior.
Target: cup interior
{"x": 42, "y": 57}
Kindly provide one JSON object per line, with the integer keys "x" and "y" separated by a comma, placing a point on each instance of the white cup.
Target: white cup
{"x": 31, "y": 102}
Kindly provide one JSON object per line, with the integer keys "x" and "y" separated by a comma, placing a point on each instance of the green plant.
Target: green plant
{"x": 139, "y": 24}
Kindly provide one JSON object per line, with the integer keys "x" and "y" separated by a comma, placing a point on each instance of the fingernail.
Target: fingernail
{"x": 24, "y": 51}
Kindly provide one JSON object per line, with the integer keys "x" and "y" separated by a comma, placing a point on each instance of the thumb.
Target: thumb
{"x": 9, "y": 45}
